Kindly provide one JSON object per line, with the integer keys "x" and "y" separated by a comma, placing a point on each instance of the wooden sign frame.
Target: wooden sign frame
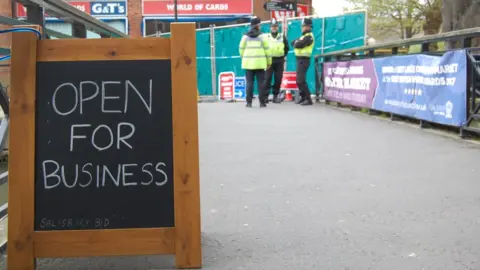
{"x": 184, "y": 240}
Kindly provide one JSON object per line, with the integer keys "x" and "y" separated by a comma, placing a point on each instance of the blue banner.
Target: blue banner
{"x": 430, "y": 88}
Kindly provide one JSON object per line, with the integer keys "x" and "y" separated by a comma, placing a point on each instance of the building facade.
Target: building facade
{"x": 152, "y": 17}
{"x": 5, "y": 41}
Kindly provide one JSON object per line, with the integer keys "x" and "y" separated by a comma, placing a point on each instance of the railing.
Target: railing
{"x": 454, "y": 39}
{"x": 4, "y": 104}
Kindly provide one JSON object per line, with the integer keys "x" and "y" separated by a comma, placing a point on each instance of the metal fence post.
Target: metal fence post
{"x": 213, "y": 62}
{"x": 323, "y": 36}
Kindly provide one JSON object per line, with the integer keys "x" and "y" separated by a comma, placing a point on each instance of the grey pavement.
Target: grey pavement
{"x": 291, "y": 187}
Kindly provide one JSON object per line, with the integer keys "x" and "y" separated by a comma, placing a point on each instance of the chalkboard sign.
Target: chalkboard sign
{"x": 104, "y": 145}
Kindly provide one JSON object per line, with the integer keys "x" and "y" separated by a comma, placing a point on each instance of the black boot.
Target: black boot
{"x": 300, "y": 101}
{"x": 249, "y": 105}
{"x": 263, "y": 105}
{"x": 307, "y": 102}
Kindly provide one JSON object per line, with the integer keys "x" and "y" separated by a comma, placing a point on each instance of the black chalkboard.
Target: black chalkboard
{"x": 104, "y": 146}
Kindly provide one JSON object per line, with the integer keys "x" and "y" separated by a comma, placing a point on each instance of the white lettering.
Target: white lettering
{"x": 72, "y": 136}
{"x": 110, "y": 141}
{"x": 88, "y": 98}
{"x": 129, "y": 85}
{"x": 149, "y": 173}
{"x": 53, "y": 174}
{"x": 89, "y": 174}
{"x": 106, "y": 171}
{"x": 54, "y": 100}
{"x": 123, "y": 139}
{"x": 104, "y": 97}
{"x": 216, "y": 6}
{"x": 125, "y": 174}
{"x": 165, "y": 177}
{"x": 97, "y": 8}
{"x": 65, "y": 178}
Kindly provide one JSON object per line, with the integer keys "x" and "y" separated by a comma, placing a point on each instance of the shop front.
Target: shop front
{"x": 157, "y": 14}
{"x": 113, "y": 13}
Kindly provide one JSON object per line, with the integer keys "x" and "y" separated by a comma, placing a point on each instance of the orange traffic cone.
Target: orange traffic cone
{"x": 288, "y": 96}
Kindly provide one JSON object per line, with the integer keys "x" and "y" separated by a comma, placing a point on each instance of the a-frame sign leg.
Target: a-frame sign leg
{"x": 188, "y": 253}
{"x": 21, "y": 163}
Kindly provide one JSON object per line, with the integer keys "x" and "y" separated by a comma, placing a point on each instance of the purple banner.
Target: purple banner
{"x": 353, "y": 82}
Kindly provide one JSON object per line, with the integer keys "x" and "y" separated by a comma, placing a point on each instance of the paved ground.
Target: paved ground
{"x": 317, "y": 188}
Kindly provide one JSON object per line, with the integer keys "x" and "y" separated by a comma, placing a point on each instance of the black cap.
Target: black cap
{"x": 274, "y": 22}
{"x": 255, "y": 22}
{"x": 307, "y": 22}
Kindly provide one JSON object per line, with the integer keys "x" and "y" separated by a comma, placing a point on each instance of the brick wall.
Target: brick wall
{"x": 135, "y": 18}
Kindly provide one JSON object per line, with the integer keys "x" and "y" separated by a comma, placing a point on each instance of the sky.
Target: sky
{"x": 328, "y": 7}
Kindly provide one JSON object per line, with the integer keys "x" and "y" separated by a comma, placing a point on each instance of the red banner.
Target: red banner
{"x": 83, "y": 6}
{"x": 197, "y": 7}
{"x": 302, "y": 11}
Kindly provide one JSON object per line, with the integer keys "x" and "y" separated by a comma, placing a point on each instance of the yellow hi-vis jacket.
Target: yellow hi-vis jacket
{"x": 277, "y": 47}
{"x": 305, "y": 51}
{"x": 255, "y": 52}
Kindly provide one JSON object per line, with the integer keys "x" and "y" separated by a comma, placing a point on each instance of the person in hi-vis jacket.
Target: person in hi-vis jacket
{"x": 278, "y": 50}
{"x": 303, "y": 49}
{"x": 254, "y": 50}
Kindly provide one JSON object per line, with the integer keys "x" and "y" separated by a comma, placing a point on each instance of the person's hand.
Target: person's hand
{"x": 269, "y": 66}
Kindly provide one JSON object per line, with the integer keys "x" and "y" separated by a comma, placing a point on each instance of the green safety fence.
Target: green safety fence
{"x": 341, "y": 32}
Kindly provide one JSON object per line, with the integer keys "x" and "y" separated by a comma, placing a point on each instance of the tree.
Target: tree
{"x": 432, "y": 11}
{"x": 460, "y": 14}
{"x": 402, "y": 18}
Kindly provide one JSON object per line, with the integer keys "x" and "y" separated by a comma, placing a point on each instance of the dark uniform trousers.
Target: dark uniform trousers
{"x": 250, "y": 75}
{"x": 302, "y": 67}
{"x": 275, "y": 71}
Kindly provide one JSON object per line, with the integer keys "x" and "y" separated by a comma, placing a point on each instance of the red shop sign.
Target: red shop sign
{"x": 302, "y": 11}
{"x": 197, "y": 7}
{"x": 83, "y": 6}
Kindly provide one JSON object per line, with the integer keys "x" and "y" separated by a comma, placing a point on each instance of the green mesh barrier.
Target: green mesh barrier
{"x": 204, "y": 62}
{"x": 341, "y": 32}
{"x": 344, "y": 32}
{"x": 226, "y": 49}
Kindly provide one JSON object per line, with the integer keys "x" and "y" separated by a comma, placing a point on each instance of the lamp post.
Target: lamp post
{"x": 296, "y": 9}
{"x": 175, "y": 3}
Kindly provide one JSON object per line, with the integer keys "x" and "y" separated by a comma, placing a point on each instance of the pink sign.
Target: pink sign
{"x": 226, "y": 84}
{"x": 289, "y": 81}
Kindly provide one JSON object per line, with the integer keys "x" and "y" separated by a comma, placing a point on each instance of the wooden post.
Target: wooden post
{"x": 185, "y": 144}
{"x": 21, "y": 164}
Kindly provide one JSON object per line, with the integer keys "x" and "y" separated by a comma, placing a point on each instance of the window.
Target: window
{"x": 156, "y": 27}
